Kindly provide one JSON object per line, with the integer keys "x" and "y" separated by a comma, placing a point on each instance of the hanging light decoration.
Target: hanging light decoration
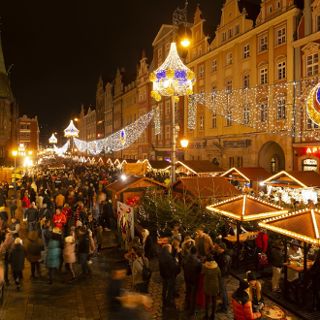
{"x": 53, "y": 139}
{"x": 313, "y": 104}
{"x": 63, "y": 149}
{"x": 172, "y": 78}
{"x": 71, "y": 130}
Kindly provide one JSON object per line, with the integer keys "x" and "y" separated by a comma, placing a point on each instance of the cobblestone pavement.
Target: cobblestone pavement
{"x": 85, "y": 298}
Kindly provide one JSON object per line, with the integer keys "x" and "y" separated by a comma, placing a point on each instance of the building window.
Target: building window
{"x": 270, "y": 9}
{"x": 229, "y": 118}
{"x": 246, "y": 81}
{"x": 231, "y": 162}
{"x": 214, "y": 120}
{"x": 278, "y": 4}
{"x": 201, "y": 122}
{"x": 312, "y": 64}
{"x": 201, "y": 71}
{"x": 167, "y": 108}
{"x": 224, "y": 36}
{"x": 318, "y": 23}
{"x": 281, "y": 36}
{"x": 230, "y": 33}
{"x": 214, "y": 66}
{"x": 263, "y": 111}
{"x": 263, "y": 75}
{"x": 237, "y": 29}
{"x": 239, "y": 162}
{"x": 281, "y": 108}
{"x": 229, "y": 58}
{"x": 167, "y": 132}
{"x": 311, "y": 124}
{"x": 281, "y": 69}
{"x": 229, "y": 86}
{"x": 246, "y": 114}
{"x": 263, "y": 43}
{"x": 246, "y": 51}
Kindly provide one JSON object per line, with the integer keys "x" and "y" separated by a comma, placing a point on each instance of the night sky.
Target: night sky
{"x": 60, "y": 48}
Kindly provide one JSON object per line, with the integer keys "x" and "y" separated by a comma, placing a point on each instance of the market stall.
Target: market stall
{"x": 205, "y": 189}
{"x": 293, "y": 187}
{"x": 246, "y": 179}
{"x": 245, "y": 208}
{"x": 128, "y": 187}
{"x": 302, "y": 225}
{"x": 198, "y": 168}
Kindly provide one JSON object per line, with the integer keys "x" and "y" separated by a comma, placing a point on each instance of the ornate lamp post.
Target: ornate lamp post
{"x": 172, "y": 79}
{"x": 71, "y": 132}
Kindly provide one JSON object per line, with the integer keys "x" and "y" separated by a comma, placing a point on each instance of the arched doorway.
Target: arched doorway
{"x": 271, "y": 157}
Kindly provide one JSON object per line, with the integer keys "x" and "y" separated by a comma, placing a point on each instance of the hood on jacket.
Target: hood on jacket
{"x": 210, "y": 265}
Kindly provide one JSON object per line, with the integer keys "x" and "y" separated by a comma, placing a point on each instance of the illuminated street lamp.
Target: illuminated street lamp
{"x": 184, "y": 143}
{"x": 172, "y": 79}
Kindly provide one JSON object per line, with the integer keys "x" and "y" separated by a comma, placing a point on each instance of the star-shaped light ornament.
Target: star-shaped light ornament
{"x": 172, "y": 78}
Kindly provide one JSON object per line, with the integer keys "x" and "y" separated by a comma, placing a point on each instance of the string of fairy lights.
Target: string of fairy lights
{"x": 278, "y": 108}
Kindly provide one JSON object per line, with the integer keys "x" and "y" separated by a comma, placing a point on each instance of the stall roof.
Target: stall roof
{"x": 206, "y": 187}
{"x": 246, "y": 208}
{"x": 302, "y": 225}
{"x": 121, "y": 185}
{"x": 159, "y": 164}
{"x": 248, "y": 173}
{"x": 294, "y": 179}
{"x": 200, "y": 166}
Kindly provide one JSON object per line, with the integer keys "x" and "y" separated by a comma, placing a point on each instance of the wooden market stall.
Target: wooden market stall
{"x": 298, "y": 185}
{"x": 245, "y": 208}
{"x": 302, "y": 225}
{"x": 204, "y": 189}
{"x": 198, "y": 168}
{"x": 130, "y": 186}
{"x": 246, "y": 178}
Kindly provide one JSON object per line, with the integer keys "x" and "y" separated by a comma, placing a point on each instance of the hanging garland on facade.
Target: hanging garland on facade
{"x": 277, "y": 109}
{"x": 62, "y": 150}
{"x": 119, "y": 140}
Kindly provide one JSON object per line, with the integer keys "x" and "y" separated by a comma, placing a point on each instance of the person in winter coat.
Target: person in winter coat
{"x": 32, "y": 215}
{"x": 5, "y": 249}
{"x": 17, "y": 257}
{"x": 59, "y": 200}
{"x": 212, "y": 281}
{"x": 255, "y": 292}
{"x": 277, "y": 260}
{"x": 204, "y": 243}
{"x": 139, "y": 284}
{"x": 83, "y": 250}
{"x": 33, "y": 247}
{"x": 59, "y": 219}
{"x": 169, "y": 267}
{"x": 241, "y": 304}
{"x": 69, "y": 254}
{"x": 192, "y": 269}
{"x": 54, "y": 252}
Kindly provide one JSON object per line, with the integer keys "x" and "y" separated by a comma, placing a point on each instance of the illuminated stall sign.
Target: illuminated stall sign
{"x": 309, "y": 165}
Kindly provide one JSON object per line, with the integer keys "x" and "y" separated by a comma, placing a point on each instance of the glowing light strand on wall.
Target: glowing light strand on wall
{"x": 119, "y": 140}
{"x": 156, "y": 120}
{"x": 278, "y": 108}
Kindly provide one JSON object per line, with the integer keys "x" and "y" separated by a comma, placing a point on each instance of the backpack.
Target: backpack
{"x": 146, "y": 272}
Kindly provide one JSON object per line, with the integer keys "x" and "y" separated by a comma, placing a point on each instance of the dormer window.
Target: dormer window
{"x": 281, "y": 35}
{"x": 263, "y": 43}
{"x": 224, "y": 36}
{"x": 230, "y": 33}
{"x": 278, "y": 4}
{"x": 237, "y": 29}
{"x": 269, "y": 9}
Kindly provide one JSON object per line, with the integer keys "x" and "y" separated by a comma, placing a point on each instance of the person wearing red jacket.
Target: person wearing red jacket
{"x": 241, "y": 304}
{"x": 262, "y": 241}
{"x": 59, "y": 219}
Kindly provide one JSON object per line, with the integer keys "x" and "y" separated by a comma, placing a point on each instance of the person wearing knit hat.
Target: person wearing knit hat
{"x": 255, "y": 291}
{"x": 241, "y": 304}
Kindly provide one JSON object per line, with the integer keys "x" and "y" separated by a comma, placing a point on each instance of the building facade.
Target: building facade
{"x": 28, "y": 133}
{"x": 8, "y": 114}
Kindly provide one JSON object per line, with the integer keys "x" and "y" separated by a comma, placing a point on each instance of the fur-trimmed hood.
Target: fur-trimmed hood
{"x": 210, "y": 265}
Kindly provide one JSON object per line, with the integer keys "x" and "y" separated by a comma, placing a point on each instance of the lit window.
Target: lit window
{"x": 263, "y": 111}
{"x": 246, "y": 114}
{"x": 229, "y": 58}
{"x": 312, "y": 64}
{"x": 263, "y": 43}
{"x": 214, "y": 120}
{"x": 229, "y": 86}
{"x": 311, "y": 124}
{"x": 214, "y": 66}
{"x": 246, "y": 51}
{"x": 263, "y": 74}
{"x": 281, "y": 108}
{"x": 201, "y": 71}
{"x": 239, "y": 162}
{"x": 281, "y": 67}
{"x": 281, "y": 35}
{"x": 229, "y": 118}
{"x": 201, "y": 122}
{"x": 246, "y": 81}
